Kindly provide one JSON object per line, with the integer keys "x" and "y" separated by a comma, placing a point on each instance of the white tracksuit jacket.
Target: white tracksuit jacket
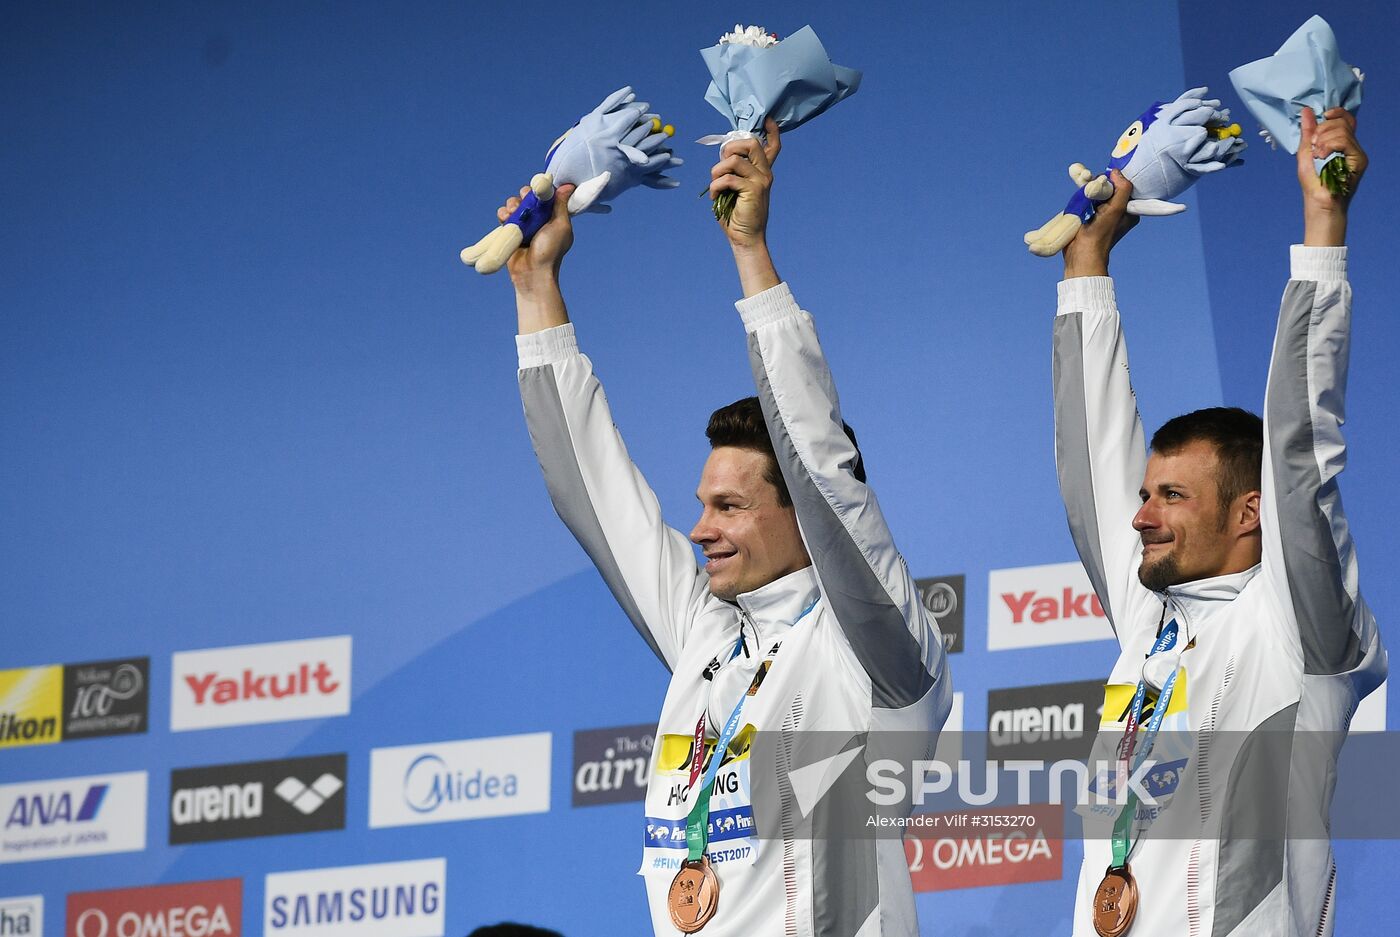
{"x": 863, "y": 673}
{"x": 1277, "y": 657}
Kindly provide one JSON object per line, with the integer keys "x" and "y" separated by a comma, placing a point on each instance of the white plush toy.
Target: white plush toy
{"x": 1162, "y": 154}
{"x": 614, "y": 147}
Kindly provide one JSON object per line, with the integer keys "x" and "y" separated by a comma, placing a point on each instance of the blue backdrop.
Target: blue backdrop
{"x": 250, "y": 394}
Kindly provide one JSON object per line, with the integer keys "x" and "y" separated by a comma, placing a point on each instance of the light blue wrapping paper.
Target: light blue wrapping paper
{"x": 792, "y": 82}
{"x": 1306, "y": 71}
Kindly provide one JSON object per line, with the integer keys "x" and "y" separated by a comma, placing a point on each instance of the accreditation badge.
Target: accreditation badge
{"x": 1171, "y": 751}
{"x": 732, "y": 839}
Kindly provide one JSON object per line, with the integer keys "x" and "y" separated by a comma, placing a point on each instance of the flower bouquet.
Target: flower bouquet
{"x": 1306, "y": 71}
{"x": 754, "y": 75}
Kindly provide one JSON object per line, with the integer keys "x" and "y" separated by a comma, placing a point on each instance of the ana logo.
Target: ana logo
{"x": 73, "y": 817}
{"x": 46, "y": 809}
{"x": 106, "y": 698}
{"x": 1049, "y": 722}
{"x": 31, "y": 705}
{"x": 391, "y": 899}
{"x": 189, "y": 909}
{"x": 995, "y": 846}
{"x": 260, "y": 683}
{"x": 257, "y": 798}
{"x": 943, "y": 597}
{"x": 610, "y": 765}
{"x": 1040, "y": 605}
{"x": 22, "y": 917}
{"x": 459, "y": 780}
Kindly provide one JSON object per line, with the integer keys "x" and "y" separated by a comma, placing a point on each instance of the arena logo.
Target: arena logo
{"x": 106, "y": 698}
{"x": 1048, "y": 722}
{"x": 257, "y": 798}
{"x": 391, "y": 899}
{"x": 995, "y": 846}
{"x": 611, "y": 766}
{"x": 1034, "y": 606}
{"x": 945, "y": 599}
{"x": 22, "y": 917}
{"x": 257, "y": 683}
{"x": 463, "y": 780}
{"x": 73, "y": 817}
{"x": 31, "y": 706}
{"x": 187, "y": 909}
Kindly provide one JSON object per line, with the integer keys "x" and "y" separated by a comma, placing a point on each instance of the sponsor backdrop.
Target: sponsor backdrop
{"x": 293, "y": 642}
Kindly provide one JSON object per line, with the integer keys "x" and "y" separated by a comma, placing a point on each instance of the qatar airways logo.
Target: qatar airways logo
{"x": 1033, "y": 606}
{"x": 257, "y": 683}
{"x": 188, "y": 909}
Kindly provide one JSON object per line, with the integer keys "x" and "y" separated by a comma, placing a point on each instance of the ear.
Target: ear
{"x": 1246, "y": 514}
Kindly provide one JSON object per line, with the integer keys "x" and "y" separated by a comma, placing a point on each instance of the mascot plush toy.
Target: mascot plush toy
{"x": 612, "y": 148}
{"x": 1162, "y": 153}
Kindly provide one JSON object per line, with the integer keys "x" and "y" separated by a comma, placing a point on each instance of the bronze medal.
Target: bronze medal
{"x": 1115, "y": 902}
{"x": 693, "y": 896}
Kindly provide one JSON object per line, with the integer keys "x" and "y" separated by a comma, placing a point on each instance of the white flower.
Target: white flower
{"x": 749, "y": 36}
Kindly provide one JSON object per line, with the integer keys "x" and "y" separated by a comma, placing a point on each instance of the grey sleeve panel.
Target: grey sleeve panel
{"x": 549, "y": 434}
{"x": 883, "y": 641}
{"x": 845, "y": 880}
{"x": 1307, "y": 507}
{"x": 1255, "y": 802}
{"x": 1072, "y": 452}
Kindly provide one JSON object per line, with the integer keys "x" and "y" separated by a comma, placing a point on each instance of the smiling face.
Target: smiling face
{"x": 747, "y": 537}
{"x": 1187, "y": 534}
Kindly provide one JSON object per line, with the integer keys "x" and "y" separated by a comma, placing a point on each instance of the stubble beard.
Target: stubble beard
{"x": 1158, "y": 575}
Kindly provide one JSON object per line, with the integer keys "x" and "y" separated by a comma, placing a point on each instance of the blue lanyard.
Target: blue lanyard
{"x": 1122, "y": 825}
{"x": 696, "y": 830}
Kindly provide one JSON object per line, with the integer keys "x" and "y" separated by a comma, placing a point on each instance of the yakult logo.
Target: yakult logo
{"x": 260, "y": 683}
{"x": 1033, "y": 606}
{"x": 189, "y": 909}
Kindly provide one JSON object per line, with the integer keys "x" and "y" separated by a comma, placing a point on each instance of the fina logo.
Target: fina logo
{"x": 429, "y": 783}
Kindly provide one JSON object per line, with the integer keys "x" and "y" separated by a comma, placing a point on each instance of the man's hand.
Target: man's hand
{"x": 1324, "y": 214}
{"x": 1087, "y": 254}
{"x": 746, "y": 168}
{"x": 534, "y": 268}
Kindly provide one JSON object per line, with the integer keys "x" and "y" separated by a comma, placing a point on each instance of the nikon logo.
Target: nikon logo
{"x": 16, "y": 729}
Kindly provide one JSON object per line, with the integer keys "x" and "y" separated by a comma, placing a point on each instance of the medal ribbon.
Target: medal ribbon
{"x": 1121, "y": 826}
{"x": 697, "y": 822}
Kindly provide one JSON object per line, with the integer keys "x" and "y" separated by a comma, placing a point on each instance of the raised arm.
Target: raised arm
{"x": 863, "y": 578}
{"x": 1100, "y": 450}
{"x": 596, "y": 489}
{"x": 1308, "y": 553}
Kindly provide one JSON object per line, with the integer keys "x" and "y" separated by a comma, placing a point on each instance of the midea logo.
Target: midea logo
{"x": 429, "y": 783}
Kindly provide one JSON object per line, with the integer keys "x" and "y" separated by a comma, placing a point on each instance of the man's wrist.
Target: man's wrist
{"x": 1091, "y": 265}
{"x": 1325, "y": 228}
{"x": 755, "y": 267}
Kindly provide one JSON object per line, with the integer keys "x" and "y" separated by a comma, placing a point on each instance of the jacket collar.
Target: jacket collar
{"x": 782, "y": 601}
{"x": 1198, "y": 601}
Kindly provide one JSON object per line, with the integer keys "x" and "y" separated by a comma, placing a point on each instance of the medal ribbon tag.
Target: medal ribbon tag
{"x": 1127, "y": 763}
{"x": 697, "y": 821}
